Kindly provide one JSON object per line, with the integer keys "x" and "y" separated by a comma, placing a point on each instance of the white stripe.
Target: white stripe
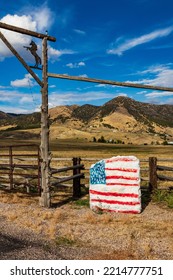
{"x": 115, "y": 198}
{"x": 121, "y": 173}
{"x": 124, "y": 164}
{"x": 116, "y": 207}
{"x": 120, "y": 158}
{"x": 122, "y": 181}
{"x": 118, "y": 189}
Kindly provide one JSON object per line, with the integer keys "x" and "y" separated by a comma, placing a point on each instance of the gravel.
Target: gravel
{"x": 81, "y": 234}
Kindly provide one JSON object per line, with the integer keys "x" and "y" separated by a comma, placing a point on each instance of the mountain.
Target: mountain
{"x": 85, "y": 113}
{"x": 122, "y": 117}
{"x": 145, "y": 113}
{"x": 4, "y": 116}
{"x": 20, "y": 120}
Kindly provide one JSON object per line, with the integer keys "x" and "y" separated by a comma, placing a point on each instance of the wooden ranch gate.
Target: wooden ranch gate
{"x": 20, "y": 167}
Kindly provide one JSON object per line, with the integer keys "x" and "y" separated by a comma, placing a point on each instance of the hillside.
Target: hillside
{"x": 4, "y": 116}
{"x": 142, "y": 112}
{"x": 21, "y": 120}
{"x": 121, "y": 118}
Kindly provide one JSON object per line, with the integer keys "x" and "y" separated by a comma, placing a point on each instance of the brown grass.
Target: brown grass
{"x": 145, "y": 236}
{"x": 148, "y": 235}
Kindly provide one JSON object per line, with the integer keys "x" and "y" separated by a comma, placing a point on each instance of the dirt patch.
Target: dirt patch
{"x": 70, "y": 231}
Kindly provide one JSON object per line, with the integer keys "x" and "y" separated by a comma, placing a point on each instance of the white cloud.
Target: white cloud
{"x": 26, "y": 99}
{"x": 153, "y": 69}
{"x": 156, "y": 75}
{"x": 141, "y": 92}
{"x": 27, "y": 81}
{"x": 3, "y": 87}
{"x": 84, "y": 75}
{"x": 70, "y": 65}
{"x": 155, "y": 94}
{"x": 8, "y": 95}
{"x": 81, "y": 32}
{"x": 122, "y": 94}
{"x": 36, "y": 19}
{"x": 169, "y": 101}
{"x": 105, "y": 86}
{"x": 161, "y": 76}
{"x": 15, "y": 110}
{"x": 75, "y": 65}
{"x": 131, "y": 43}
{"x": 81, "y": 63}
{"x": 61, "y": 98}
{"x": 55, "y": 54}
{"x": 43, "y": 16}
{"x": 16, "y": 39}
{"x": 18, "y": 102}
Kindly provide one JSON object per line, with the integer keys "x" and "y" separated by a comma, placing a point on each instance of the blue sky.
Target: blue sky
{"x": 120, "y": 40}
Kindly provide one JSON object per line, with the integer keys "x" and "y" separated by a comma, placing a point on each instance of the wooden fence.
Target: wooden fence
{"x": 154, "y": 175}
{"x": 22, "y": 169}
{"x": 76, "y": 176}
{"x": 148, "y": 180}
{"x": 18, "y": 168}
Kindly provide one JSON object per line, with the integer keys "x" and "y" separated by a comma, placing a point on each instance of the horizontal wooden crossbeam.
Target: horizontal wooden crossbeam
{"x": 26, "y": 32}
{"x": 108, "y": 82}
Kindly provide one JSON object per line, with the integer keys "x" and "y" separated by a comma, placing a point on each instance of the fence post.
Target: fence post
{"x": 152, "y": 173}
{"x": 76, "y": 181}
{"x": 39, "y": 171}
{"x": 11, "y": 167}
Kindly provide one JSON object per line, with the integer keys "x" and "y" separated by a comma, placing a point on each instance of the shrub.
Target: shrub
{"x": 164, "y": 197}
{"x": 102, "y": 140}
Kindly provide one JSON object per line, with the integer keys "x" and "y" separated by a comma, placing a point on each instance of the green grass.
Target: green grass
{"x": 64, "y": 241}
{"x": 163, "y": 197}
{"x": 82, "y": 202}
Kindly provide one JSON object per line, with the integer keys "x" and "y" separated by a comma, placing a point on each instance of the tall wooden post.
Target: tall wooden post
{"x": 44, "y": 147}
{"x": 152, "y": 173}
{"x": 76, "y": 181}
{"x": 11, "y": 167}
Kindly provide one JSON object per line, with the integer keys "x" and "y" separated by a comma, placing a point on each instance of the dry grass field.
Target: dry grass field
{"x": 74, "y": 226}
{"x": 78, "y": 233}
{"x": 66, "y": 148}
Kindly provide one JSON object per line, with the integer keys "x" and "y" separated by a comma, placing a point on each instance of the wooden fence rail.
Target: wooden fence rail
{"x": 15, "y": 171}
{"x": 154, "y": 177}
{"x": 76, "y": 177}
{"x": 24, "y": 169}
{"x": 15, "y": 166}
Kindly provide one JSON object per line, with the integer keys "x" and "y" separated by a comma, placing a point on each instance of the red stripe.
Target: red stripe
{"x": 122, "y": 169}
{"x": 120, "y": 211}
{"x": 114, "y": 194}
{"x": 130, "y": 203}
{"x": 119, "y": 159}
{"x": 121, "y": 177}
{"x": 120, "y": 184}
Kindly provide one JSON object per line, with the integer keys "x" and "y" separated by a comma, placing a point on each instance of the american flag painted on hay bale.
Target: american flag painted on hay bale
{"x": 115, "y": 185}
